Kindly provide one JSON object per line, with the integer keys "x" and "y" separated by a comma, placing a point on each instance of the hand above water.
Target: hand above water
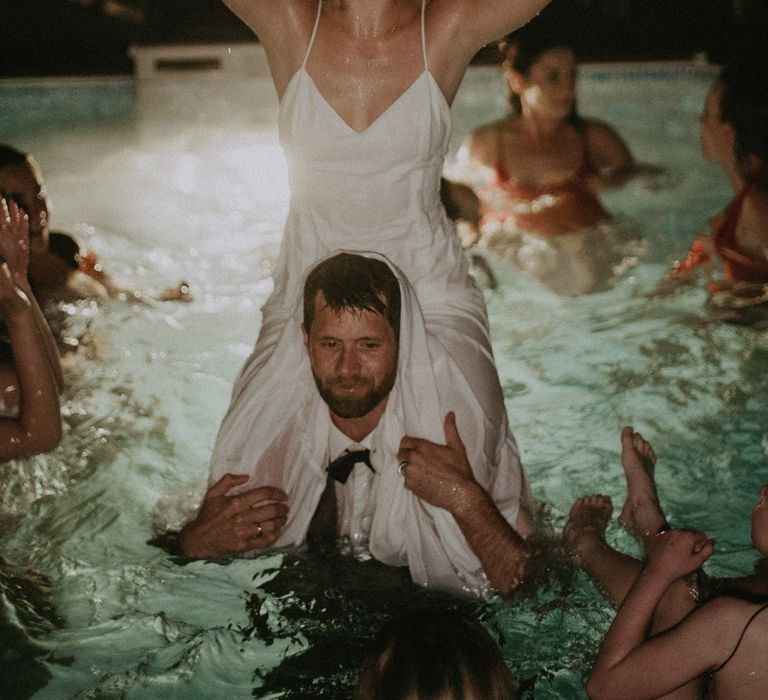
{"x": 14, "y": 241}
{"x": 227, "y": 525}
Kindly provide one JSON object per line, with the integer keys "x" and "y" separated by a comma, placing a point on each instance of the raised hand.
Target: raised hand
{"x": 14, "y": 239}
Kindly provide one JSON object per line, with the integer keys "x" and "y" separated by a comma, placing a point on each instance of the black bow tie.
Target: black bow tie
{"x": 341, "y": 467}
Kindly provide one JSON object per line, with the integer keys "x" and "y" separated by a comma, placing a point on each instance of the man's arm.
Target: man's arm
{"x": 228, "y": 525}
{"x": 676, "y": 657}
{"x": 441, "y": 475}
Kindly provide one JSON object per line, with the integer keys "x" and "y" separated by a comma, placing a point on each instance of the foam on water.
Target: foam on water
{"x": 192, "y": 184}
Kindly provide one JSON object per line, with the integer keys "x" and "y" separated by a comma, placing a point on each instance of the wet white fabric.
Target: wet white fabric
{"x": 356, "y": 499}
{"x": 374, "y": 190}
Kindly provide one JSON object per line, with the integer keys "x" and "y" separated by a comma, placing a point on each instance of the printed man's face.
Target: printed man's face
{"x": 353, "y": 355}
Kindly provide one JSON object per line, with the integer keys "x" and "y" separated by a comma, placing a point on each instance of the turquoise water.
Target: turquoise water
{"x": 185, "y": 179}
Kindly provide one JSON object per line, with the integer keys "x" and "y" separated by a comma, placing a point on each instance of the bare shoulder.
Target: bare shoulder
{"x": 482, "y": 143}
{"x": 727, "y": 615}
{"x": 754, "y": 220}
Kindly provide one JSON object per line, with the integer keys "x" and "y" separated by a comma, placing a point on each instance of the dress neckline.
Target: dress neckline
{"x": 426, "y": 73}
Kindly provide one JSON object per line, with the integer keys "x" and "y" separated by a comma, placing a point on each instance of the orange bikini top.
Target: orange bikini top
{"x": 739, "y": 264}
{"x": 549, "y": 208}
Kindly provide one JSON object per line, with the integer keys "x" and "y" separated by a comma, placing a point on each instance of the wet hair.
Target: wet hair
{"x": 432, "y": 654}
{"x": 523, "y": 48}
{"x": 744, "y": 105}
{"x": 64, "y": 247}
{"x": 350, "y": 281}
{"x": 10, "y": 156}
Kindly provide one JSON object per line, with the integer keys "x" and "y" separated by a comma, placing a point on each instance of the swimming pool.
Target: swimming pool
{"x": 182, "y": 177}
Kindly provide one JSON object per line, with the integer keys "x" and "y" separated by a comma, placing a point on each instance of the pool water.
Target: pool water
{"x": 183, "y": 178}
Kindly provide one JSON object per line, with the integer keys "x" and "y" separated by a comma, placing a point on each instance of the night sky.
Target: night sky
{"x": 86, "y": 37}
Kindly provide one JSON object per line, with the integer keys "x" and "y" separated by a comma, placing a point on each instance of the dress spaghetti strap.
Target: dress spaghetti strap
{"x": 423, "y": 34}
{"x": 314, "y": 34}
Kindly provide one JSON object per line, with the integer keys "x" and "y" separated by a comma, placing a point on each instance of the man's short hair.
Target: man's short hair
{"x": 350, "y": 281}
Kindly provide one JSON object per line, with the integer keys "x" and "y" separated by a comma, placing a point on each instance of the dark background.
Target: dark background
{"x": 85, "y": 37}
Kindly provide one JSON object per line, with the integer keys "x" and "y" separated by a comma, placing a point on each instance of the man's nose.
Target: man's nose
{"x": 349, "y": 362}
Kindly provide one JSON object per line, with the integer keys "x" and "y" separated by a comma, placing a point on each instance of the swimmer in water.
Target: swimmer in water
{"x": 59, "y": 268}
{"x": 30, "y": 382}
{"x": 698, "y": 634}
{"x": 734, "y": 134}
{"x": 539, "y": 169}
{"x": 542, "y": 164}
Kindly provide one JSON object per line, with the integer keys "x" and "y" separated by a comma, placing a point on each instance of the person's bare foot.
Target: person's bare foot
{"x": 586, "y": 525}
{"x": 641, "y": 514}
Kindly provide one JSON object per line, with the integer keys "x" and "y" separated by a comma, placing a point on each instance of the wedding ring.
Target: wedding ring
{"x": 401, "y": 468}
{"x": 259, "y": 531}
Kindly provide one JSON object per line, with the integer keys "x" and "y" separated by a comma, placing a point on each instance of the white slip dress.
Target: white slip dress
{"x": 375, "y": 190}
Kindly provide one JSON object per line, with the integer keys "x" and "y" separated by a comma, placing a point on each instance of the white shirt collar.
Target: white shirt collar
{"x": 338, "y": 443}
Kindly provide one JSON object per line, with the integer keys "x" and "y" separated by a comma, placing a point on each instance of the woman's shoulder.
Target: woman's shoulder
{"x": 482, "y": 143}
{"x": 729, "y": 611}
{"x": 754, "y": 216}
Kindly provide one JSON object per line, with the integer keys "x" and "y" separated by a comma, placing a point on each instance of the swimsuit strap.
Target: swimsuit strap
{"x": 314, "y": 34}
{"x": 498, "y": 166}
{"x": 424, "y": 34}
{"x": 741, "y": 636}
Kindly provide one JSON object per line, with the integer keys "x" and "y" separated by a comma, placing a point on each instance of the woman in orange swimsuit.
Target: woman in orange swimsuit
{"x": 537, "y": 171}
{"x": 734, "y": 133}
{"x": 542, "y": 164}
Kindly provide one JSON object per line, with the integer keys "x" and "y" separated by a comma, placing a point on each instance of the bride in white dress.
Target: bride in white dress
{"x": 365, "y": 89}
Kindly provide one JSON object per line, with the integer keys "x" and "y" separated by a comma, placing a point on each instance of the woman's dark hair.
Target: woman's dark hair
{"x": 521, "y": 49}
{"x": 350, "y": 281}
{"x": 10, "y": 156}
{"x": 433, "y": 654}
{"x": 744, "y": 105}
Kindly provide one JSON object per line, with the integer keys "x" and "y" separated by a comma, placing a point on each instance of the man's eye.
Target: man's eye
{"x": 371, "y": 346}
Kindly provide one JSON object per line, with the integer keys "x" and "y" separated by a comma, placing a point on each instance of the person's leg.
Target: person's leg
{"x": 641, "y": 514}
{"x": 584, "y": 539}
{"x": 615, "y": 573}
